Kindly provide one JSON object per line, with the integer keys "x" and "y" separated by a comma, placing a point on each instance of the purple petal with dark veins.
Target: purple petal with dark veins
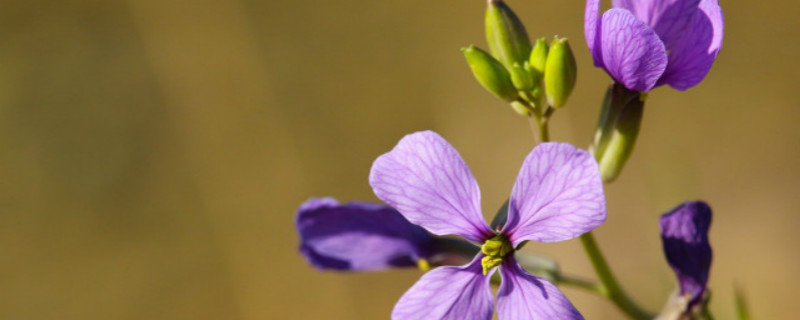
{"x": 358, "y": 236}
{"x": 448, "y": 293}
{"x": 692, "y": 54}
{"x": 558, "y": 195}
{"x": 525, "y": 296}
{"x": 426, "y": 179}
{"x": 631, "y": 51}
{"x": 591, "y": 28}
{"x": 684, "y": 234}
{"x": 668, "y": 18}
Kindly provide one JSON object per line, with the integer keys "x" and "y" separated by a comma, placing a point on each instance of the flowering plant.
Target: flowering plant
{"x": 430, "y": 193}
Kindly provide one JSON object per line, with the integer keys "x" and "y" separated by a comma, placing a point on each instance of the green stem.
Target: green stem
{"x": 544, "y": 129}
{"x": 540, "y": 121}
{"x": 610, "y": 287}
{"x": 587, "y": 285}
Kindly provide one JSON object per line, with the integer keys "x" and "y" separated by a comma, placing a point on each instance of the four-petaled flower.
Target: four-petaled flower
{"x": 558, "y": 195}
{"x": 648, "y": 43}
{"x": 684, "y": 233}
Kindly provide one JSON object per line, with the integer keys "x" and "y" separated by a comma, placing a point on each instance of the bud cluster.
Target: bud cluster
{"x": 532, "y": 78}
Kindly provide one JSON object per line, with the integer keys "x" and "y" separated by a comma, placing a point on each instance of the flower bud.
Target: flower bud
{"x": 560, "y": 72}
{"x": 507, "y": 38}
{"x": 490, "y": 73}
{"x": 539, "y": 55}
{"x": 521, "y": 77}
{"x": 619, "y": 141}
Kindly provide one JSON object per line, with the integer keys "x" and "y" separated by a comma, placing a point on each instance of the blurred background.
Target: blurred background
{"x": 154, "y": 152}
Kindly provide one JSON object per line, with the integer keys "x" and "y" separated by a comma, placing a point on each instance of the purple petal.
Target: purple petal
{"x": 591, "y": 27}
{"x": 425, "y": 179}
{"x": 684, "y": 233}
{"x": 448, "y": 293}
{"x": 558, "y": 195}
{"x": 669, "y": 18}
{"x": 692, "y": 54}
{"x": 631, "y": 51}
{"x": 358, "y": 236}
{"x": 525, "y": 296}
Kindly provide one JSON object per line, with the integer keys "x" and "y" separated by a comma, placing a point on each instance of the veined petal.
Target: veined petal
{"x": 358, "y": 236}
{"x": 684, "y": 233}
{"x": 631, "y": 51}
{"x": 558, "y": 195}
{"x": 669, "y": 18}
{"x": 426, "y": 179}
{"x": 693, "y": 53}
{"x": 448, "y": 293}
{"x": 591, "y": 28}
{"x": 525, "y": 296}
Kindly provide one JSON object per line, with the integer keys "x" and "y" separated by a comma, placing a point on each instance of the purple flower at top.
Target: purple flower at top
{"x": 647, "y": 43}
{"x": 558, "y": 195}
{"x": 359, "y": 236}
{"x": 684, "y": 233}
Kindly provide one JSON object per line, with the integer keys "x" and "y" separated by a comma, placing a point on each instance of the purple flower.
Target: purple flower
{"x": 684, "y": 233}
{"x": 648, "y": 43}
{"x": 359, "y": 236}
{"x": 558, "y": 195}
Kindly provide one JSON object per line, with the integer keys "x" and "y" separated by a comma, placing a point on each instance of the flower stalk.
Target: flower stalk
{"x": 609, "y": 287}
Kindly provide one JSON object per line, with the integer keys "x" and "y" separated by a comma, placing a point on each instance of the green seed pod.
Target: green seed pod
{"x": 560, "y": 73}
{"x": 490, "y": 73}
{"x": 507, "y": 38}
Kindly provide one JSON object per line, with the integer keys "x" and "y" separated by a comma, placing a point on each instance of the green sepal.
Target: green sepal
{"x": 609, "y": 111}
{"x": 500, "y": 217}
{"x": 560, "y": 72}
{"x": 490, "y": 73}
{"x": 508, "y": 41}
{"x": 622, "y": 138}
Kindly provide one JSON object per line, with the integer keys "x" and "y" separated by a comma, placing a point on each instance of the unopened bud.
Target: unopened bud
{"x": 507, "y": 38}
{"x": 490, "y": 73}
{"x": 560, "y": 73}
{"x": 521, "y": 77}
{"x": 538, "y": 56}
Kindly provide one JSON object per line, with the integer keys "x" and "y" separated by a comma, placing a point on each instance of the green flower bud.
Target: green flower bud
{"x": 560, "y": 73}
{"x": 539, "y": 55}
{"x": 507, "y": 38}
{"x": 616, "y": 145}
{"x": 490, "y": 73}
{"x": 521, "y": 77}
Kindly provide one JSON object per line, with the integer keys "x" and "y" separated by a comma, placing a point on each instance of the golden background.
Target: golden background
{"x": 154, "y": 152}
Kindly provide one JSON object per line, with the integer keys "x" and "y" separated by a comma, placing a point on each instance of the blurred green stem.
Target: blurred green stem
{"x": 610, "y": 288}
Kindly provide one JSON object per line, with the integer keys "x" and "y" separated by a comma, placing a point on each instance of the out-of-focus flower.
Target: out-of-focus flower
{"x": 684, "y": 233}
{"x": 558, "y": 195}
{"x": 648, "y": 43}
{"x": 359, "y": 236}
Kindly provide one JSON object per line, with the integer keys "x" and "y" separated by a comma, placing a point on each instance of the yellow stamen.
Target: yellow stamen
{"x": 423, "y": 264}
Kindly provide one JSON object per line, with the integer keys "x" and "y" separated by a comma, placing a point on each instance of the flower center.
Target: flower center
{"x": 495, "y": 249}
